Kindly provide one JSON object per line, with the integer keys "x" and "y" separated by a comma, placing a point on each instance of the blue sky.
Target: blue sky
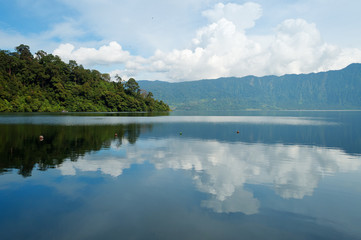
{"x": 180, "y": 40}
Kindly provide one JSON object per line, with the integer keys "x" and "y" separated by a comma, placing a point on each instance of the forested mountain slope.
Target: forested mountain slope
{"x": 339, "y": 89}
{"x": 45, "y": 83}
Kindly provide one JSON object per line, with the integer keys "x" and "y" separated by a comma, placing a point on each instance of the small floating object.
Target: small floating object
{"x": 116, "y": 135}
{"x": 237, "y": 132}
{"x": 180, "y": 133}
{"x": 41, "y": 138}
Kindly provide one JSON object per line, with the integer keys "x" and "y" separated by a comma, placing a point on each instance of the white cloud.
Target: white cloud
{"x": 156, "y": 24}
{"x": 220, "y": 50}
{"x": 10, "y": 39}
{"x": 243, "y": 16}
{"x": 190, "y": 40}
{"x": 223, "y": 48}
{"x": 68, "y": 30}
{"x": 297, "y": 47}
{"x": 107, "y": 54}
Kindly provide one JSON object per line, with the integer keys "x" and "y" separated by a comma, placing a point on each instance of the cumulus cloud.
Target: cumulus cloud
{"x": 224, "y": 48}
{"x": 221, "y": 51}
{"x": 297, "y": 47}
{"x": 107, "y": 54}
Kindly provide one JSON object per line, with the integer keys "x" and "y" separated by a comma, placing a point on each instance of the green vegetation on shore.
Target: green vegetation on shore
{"x": 45, "y": 83}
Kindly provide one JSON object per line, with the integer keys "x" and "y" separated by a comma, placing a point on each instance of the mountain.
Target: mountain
{"x": 340, "y": 89}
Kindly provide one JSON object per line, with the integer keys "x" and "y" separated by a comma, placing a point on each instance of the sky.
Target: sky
{"x": 183, "y": 40}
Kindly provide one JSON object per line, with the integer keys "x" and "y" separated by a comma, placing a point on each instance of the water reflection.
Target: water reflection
{"x": 223, "y": 169}
{"x": 71, "y": 120}
{"x": 21, "y": 148}
{"x": 290, "y": 155}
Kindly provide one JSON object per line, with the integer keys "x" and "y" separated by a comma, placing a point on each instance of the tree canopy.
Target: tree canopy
{"x": 45, "y": 83}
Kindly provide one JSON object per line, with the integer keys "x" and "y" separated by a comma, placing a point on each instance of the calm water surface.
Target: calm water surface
{"x": 285, "y": 175}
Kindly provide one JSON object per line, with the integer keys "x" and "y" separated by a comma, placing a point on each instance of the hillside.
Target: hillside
{"x": 45, "y": 83}
{"x": 339, "y": 89}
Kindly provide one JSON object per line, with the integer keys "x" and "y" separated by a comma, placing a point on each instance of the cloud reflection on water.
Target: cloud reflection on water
{"x": 222, "y": 169}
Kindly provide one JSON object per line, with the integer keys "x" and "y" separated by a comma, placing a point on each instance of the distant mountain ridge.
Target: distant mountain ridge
{"x": 337, "y": 89}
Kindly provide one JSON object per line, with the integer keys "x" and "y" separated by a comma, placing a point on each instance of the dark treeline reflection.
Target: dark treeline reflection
{"x": 21, "y": 148}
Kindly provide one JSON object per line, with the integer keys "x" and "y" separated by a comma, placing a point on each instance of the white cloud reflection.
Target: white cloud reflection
{"x": 222, "y": 169}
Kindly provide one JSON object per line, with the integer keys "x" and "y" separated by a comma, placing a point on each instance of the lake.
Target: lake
{"x": 211, "y": 175}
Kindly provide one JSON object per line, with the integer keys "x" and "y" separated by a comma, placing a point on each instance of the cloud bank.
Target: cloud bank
{"x": 224, "y": 48}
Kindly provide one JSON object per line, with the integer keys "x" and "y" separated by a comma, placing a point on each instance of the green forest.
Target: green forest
{"x": 44, "y": 83}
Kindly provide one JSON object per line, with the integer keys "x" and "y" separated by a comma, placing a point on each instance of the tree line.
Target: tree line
{"x": 44, "y": 83}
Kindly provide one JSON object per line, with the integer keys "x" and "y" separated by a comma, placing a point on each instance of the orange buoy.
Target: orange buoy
{"x": 237, "y": 132}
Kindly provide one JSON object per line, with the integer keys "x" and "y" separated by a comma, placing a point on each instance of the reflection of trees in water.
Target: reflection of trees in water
{"x": 21, "y": 148}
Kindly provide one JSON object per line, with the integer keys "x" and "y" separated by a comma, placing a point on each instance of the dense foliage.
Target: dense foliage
{"x": 45, "y": 83}
{"x": 326, "y": 90}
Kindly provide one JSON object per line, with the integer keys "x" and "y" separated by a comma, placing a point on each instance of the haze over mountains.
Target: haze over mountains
{"x": 340, "y": 89}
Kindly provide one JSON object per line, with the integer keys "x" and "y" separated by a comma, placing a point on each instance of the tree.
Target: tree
{"x": 40, "y": 55}
{"x": 7, "y": 61}
{"x": 24, "y": 52}
{"x": 118, "y": 78}
{"x": 106, "y": 77}
{"x": 132, "y": 86}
